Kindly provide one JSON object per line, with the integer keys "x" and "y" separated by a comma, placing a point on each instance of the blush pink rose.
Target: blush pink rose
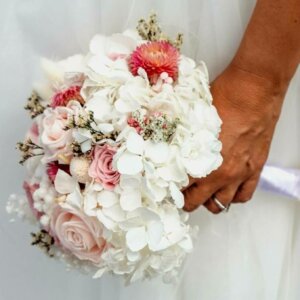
{"x": 29, "y": 190}
{"x": 55, "y": 136}
{"x": 78, "y": 233}
{"x": 101, "y": 168}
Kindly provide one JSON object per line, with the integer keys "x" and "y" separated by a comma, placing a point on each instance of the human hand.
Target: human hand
{"x": 249, "y": 106}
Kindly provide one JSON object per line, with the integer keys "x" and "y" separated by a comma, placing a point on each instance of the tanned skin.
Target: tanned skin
{"x": 249, "y": 95}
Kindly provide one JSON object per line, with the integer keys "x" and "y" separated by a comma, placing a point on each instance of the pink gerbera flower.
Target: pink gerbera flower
{"x": 63, "y": 97}
{"x": 155, "y": 58}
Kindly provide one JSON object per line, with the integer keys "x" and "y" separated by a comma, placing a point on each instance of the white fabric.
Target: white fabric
{"x": 250, "y": 253}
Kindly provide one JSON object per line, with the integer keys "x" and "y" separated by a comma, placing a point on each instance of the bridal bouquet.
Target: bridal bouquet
{"x": 115, "y": 136}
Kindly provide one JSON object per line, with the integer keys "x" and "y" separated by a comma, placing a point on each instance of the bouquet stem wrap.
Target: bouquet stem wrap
{"x": 285, "y": 181}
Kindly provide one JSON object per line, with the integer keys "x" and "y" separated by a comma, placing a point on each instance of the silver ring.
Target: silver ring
{"x": 221, "y": 205}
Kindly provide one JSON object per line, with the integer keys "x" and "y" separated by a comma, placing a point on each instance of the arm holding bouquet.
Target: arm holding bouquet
{"x": 248, "y": 96}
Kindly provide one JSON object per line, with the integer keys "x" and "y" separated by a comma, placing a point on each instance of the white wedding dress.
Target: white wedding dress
{"x": 251, "y": 253}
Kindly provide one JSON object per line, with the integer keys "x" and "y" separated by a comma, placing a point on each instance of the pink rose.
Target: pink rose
{"x": 55, "y": 136}
{"x": 29, "y": 190}
{"x": 101, "y": 168}
{"x": 78, "y": 233}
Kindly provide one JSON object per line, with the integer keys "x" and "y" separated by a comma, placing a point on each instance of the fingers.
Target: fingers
{"x": 191, "y": 198}
{"x": 246, "y": 190}
{"x": 233, "y": 189}
{"x": 199, "y": 192}
{"x": 192, "y": 181}
{"x": 224, "y": 195}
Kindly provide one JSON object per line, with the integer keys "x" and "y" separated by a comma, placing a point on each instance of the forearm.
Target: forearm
{"x": 271, "y": 45}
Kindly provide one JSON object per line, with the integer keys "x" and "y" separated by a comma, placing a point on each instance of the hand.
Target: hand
{"x": 249, "y": 106}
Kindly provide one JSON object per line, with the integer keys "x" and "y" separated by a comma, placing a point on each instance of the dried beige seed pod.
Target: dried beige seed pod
{"x": 79, "y": 167}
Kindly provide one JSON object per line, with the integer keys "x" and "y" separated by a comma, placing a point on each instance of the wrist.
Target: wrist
{"x": 251, "y": 94}
{"x": 269, "y": 73}
{"x": 265, "y": 73}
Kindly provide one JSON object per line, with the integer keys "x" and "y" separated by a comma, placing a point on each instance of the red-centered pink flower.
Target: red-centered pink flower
{"x": 101, "y": 168}
{"x": 155, "y": 58}
{"x": 29, "y": 190}
{"x": 132, "y": 122}
{"x": 53, "y": 167}
{"x": 62, "y": 98}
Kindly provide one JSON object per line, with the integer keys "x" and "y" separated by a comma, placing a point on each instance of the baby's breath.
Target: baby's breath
{"x": 87, "y": 121}
{"x": 34, "y": 105}
{"x": 43, "y": 240}
{"x": 28, "y": 149}
{"x": 156, "y": 127}
{"x": 150, "y": 30}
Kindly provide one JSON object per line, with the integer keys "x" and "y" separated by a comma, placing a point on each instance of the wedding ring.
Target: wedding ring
{"x": 220, "y": 205}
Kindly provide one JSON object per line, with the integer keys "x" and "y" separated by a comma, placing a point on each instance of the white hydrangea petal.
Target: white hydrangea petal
{"x": 99, "y": 273}
{"x": 134, "y": 181}
{"x": 124, "y": 133}
{"x": 130, "y": 199}
{"x": 90, "y": 204}
{"x": 176, "y": 195}
{"x": 145, "y": 214}
{"x": 129, "y": 164}
{"x": 186, "y": 66}
{"x": 203, "y": 166}
{"x": 114, "y": 212}
{"x": 150, "y": 169}
{"x": 171, "y": 172}
{"x": 172, "y": 225}
{"x": 94, "y": 186}
{"x": 105, "y": 128}
{"x": 133, "y": 256}
{"x": 86, "y": 146}
{"x": 100, "y": 107}
{"x": 155, "y": 231}
{"x": 106, "y": 221}
{"x": 157, "y": 152}
{"x": 97, "y": 44}
{"x": 136, "y": 238}
{"x": 81, "y": 135}
{"x": 154, "y": 191}
{"x": 131, "y": 222}
{"x": 124, "y": 106}
{"x": 64, "y": 183}
{"x": 186, "y": 243}
{"x": 135, "y": 143}
{"x": 132, "y": 34}
{"x": 120, "y": 44}
{"x": 107, "y": 198}
{"x": 99, "y": 63}
{"x": 75, "y": 198}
